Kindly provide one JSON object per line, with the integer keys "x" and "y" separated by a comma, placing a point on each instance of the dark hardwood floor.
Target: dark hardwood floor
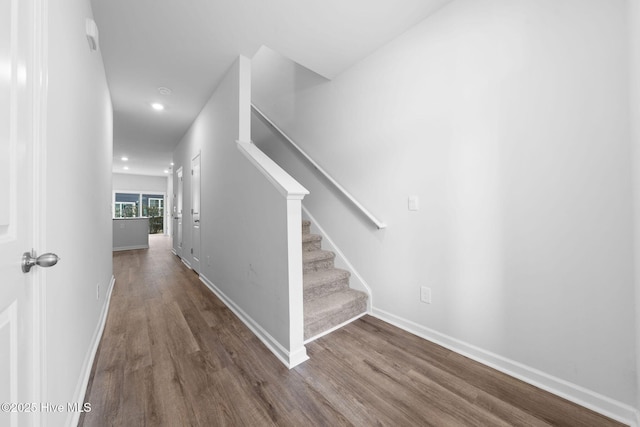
{"x": 173, "y": 355}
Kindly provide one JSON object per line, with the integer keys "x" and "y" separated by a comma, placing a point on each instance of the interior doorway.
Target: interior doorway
{"x": 195, "y": 212}
{"x": 178, "y": 213}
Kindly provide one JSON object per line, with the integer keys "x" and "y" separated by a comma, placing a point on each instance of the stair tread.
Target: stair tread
{"x": 323, "y": 314}
{"x": 319, "y": 308}
{"x": 319, "y": 283}
{"x": 322, "y": 276}
{"x": 311, "y": 238}
{"x": 328, "y": 299}
{"x": 317, "y": 255}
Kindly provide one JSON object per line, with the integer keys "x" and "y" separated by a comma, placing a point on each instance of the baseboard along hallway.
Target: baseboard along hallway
{"x": 173, "y": 354}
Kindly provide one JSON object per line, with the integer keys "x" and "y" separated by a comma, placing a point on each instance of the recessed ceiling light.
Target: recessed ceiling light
{"x": 126, "y": 168}
{"x": 157, "y": 106}
{"x": 164, "y": 90}
{"x": 171, "y": 163}
{"x": 166, "y": 171}
{"x": 124, "y": 159}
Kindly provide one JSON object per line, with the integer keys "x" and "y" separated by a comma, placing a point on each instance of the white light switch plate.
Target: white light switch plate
{"x": 414, "y": 203}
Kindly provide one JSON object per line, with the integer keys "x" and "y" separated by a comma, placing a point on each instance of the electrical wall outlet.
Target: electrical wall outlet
{"x": 425, "y": 295}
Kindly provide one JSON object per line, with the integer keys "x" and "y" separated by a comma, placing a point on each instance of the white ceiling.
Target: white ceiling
{"x": 188, "y": 45}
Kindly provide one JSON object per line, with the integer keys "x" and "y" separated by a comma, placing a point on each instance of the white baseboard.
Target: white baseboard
{"x": 81, "y": 387}
{"x": 572, "y": 392}
{"x": 290, "y": 358}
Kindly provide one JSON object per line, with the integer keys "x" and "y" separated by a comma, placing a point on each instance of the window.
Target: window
{"x": 126, "y": 205}
{"x": 135, "y": 205}
{"x": 152, "y": 205}
{"x": 125, "y": 209}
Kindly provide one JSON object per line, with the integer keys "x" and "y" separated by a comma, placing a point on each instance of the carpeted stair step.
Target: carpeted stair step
{"x": 311, "y": 242}
{"x": 324, "y": 313}
{"x": 320, "y": 283}
{"x": 317, "y": 260}
{"x": 328, "y": 299}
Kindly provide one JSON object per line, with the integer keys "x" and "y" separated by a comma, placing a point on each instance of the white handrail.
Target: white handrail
{"x": 348, "y": 195}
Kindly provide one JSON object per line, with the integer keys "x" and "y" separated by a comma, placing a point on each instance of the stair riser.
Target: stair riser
{"x": 312, "y": 246}
{"x": 322, "y": 264}
{"x": 328, "y": 299}
{"x": 319, "y": 291}
{"x": 313, "y": 327}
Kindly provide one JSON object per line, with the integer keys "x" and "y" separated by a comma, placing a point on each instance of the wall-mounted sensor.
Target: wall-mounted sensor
{"x": 92, "y": 34}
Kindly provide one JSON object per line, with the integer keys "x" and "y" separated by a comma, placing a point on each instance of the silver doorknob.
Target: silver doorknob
{"x": 45, "y": 260}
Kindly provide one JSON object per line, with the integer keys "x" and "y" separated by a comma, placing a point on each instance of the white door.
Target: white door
{"x": 20, "y": 101}
{"x": 195, "y": 213}
{"x": 178, "y": 208}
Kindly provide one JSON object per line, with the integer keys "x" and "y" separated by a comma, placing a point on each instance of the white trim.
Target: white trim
{"x": 290, "y": 358}
{"x": 572, "y": 392}
{"x": 356, "y": 281}
{"x": 295, "y": 274}
{"x": 38, "y": 205}
{"x": 9, "y": 320}
{"x": 195, "y": 230}
{"x": 281, "y": 180}
{"x": 633, "y": 14}
{"x": 178, "y": 237}
{"x": 81, "y": 387}
{"x": 129, "y": 248}
{"x": 244, "y": 98}
{"x": 335, "y": 328}
{"x": 186, "y": 263}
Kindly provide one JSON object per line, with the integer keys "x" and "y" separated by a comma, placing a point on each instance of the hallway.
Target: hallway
{"x": 173, "y": 355}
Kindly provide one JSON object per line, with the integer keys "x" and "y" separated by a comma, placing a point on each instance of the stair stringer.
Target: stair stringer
{"x": 356, "y": 281}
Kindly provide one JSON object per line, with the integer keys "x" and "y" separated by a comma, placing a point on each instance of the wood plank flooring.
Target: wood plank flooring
{"x": 173, "y": 355}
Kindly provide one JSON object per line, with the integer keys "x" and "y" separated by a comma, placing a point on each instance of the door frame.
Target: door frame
{"x": 39, "y": 192}
{"x": 178, "y": 207}
{"x": 196, "y": 261}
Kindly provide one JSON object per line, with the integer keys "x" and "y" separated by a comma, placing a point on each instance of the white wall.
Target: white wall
{"x": 243, "y": 216}
{"x": 78, "y": 202}
{"x": 634, "y": 50}
{"x": 140, "y": 183}
{"x": 510, "y": 121}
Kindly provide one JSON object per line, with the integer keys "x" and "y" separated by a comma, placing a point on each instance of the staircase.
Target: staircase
{"x": 328, "y": 300}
